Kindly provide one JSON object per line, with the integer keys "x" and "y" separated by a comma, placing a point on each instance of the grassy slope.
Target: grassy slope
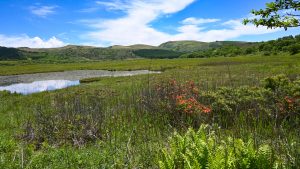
{"x": 135, "y": 137}
{"x": 192, "y": 46}
{"x": 74, "y": 53}
{"x": 185, "y": 46}
{"x": 14, "y": 67}
{"x": 135, "y": 47}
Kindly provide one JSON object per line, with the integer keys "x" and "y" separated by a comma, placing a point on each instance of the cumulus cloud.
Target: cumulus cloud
{"x": 26, "y": 41}
{"x": 42, "y": 11}
{"x": 231, "y": 29}
{"x": 135, "y": 27}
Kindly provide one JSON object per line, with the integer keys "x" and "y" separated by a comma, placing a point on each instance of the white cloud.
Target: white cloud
{"x": 135, "y": 27}
{"x": 115, "y": 5}
{"x": 26, "y": 41}
{"x": 42, "y": 11}
{"x": 198, "y": 21}
{"x": 231, "y": 29}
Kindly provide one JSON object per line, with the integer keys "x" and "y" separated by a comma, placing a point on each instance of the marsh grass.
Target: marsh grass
{"x": 122, "y": 122}
{"x": 268, "y": 63}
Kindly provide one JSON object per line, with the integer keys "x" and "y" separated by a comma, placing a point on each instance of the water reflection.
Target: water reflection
{"x": 39, "y": 82}
{"x": 67, "y": 75}
{"x": 39, "y": 86}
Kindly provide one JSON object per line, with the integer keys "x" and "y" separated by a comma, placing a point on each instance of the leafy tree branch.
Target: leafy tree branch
{"x": 279, "y": 14}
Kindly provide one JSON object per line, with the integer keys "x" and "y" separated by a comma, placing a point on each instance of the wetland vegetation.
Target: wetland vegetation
{"x": 183, "y": 104}
{"x": 247, "y": 109}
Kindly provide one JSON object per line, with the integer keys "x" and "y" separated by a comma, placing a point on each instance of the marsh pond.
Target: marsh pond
{"x": 39, "y": 82}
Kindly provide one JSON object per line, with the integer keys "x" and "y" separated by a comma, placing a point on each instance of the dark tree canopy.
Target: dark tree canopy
{"x": 279, "y": 14}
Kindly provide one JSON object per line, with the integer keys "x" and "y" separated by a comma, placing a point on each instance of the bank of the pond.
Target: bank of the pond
{"x": 67, "y": 75}
{"x": 39, "y": 82}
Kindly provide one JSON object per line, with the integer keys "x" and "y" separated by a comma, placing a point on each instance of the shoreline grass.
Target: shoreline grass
{"x": 14, "y": 67}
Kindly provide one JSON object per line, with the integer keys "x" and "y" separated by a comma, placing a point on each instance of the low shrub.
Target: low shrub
{"x": 187, "y": 104}
{"x": 74, "y": 121}
{"x": 179, "y": 101}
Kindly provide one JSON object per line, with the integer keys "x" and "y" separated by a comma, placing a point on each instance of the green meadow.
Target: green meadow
{"x": 222, "y": 112}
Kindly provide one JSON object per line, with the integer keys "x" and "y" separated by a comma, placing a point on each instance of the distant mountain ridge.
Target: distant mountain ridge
{"x": 134, "y": 47}
{"x": 171, "y": 49}
{"x": 192, "y": 46}
{"x": 75, "y": 52}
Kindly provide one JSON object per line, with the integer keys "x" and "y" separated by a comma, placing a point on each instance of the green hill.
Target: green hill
{"x": 79, "y": 53}
{"x": 231, "y": 43}
{"x": 193, "y": 46}
{"x": 157, "y": 53}
{"x": 185, "y": 46}
{"x": 172, "y": 49}
{"x": 71, "y": 53}
{"x": 133, "y": 47}
{"x": 289, "y": 44}
{"x": 10, "y": 54}
{"x": 75, "y": 53}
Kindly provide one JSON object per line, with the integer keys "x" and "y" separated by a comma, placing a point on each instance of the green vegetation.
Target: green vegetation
{"x": 71, "y": 53}
{"x": 289, "y": 44}
{"x": 157, "y": 53}
{"x": 25, "y": 67}
{"x": 10, "y": 54}
{"x": 185, "y": 46}
{"x": 192, "y": 46}
{"x": 205, "y": 149}
{"x": 281, "y": 13}
{"x": 134, "y": 47}
{"x": 168, "y": 50}
{"x": 250, "y": 110}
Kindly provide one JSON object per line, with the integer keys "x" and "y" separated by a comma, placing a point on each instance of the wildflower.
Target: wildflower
{"x": 289, "y": 100}
{"x": 179, "y": 97}
{"x": 181, "y": 102}
{"x": 206, "y": 110}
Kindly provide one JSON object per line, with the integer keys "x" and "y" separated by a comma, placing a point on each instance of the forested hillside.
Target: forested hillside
{"x": 173, "y": 49}
{"x": 289, "y": 44}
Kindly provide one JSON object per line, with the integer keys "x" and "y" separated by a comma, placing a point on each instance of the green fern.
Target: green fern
{"x": 203, "y": 149}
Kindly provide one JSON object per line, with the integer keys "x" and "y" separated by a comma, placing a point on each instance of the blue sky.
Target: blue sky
{"x": 55, "y": 23}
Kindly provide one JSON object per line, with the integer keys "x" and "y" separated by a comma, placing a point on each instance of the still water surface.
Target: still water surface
{"x": 39, "y": 82}
{"x": 39, "y": 86}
